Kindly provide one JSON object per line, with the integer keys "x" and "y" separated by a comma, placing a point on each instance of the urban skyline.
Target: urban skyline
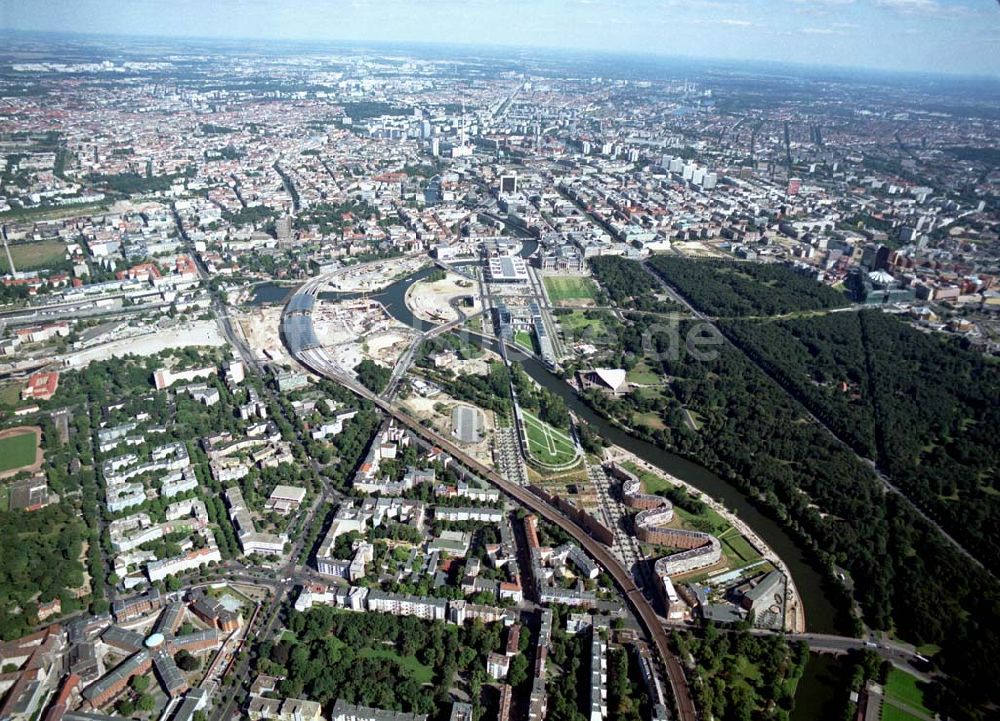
{"x": 949, "y": 36}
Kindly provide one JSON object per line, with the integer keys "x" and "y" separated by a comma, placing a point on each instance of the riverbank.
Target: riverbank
{"x": 795, "y": 620}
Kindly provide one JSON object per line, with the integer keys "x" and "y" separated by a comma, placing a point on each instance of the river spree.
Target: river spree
{"x": 822, "y": 615}
{"x": 821, "y": 685}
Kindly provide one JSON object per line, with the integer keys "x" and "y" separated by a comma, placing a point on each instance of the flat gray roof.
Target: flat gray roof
{"x": 466, "y": 421}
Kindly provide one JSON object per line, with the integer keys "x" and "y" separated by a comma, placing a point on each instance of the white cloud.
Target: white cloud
{"x": 928, "y": 7}
{"x": 910, "y": 5}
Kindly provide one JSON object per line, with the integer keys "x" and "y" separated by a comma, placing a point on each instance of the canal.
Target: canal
{"x": 270, "y": 294}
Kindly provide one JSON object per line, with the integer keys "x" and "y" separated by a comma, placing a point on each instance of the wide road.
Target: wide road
{"x": 317, "y": 361}
{"x": 406, "y": 360}
{"x": 899, "y": 654}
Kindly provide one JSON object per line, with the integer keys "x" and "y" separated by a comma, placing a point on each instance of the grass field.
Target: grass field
{"x": 17, "y": 451}
{"x": 70, "y": 210}
{"x": 708, "y": 521}
{"x": 561, "y": 288}
{"x": 651, "y": 420}
{"x": 904, "y": 687}
{"x": 10, "y": 394}
{"x": 546, "y": 444}
{"x": 229, "y": 591}
{"x": 576, "y": 326}
{"x": 651, "y": 483}
{"x": 739, "y": 547}
{"x": 891, "y": 713}
{"x": 417, "y": 671}
{"x": 33, "y": 256}
{"x": 525, "y": 339}
{"x": 643, "y": 375}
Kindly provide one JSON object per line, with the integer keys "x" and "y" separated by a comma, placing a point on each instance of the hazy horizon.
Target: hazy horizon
{"x": 919, "y": 36}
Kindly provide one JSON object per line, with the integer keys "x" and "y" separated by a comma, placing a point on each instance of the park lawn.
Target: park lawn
{"x": 732, "y": 560}
{"x": 230, "y": 591}
{"x": 547, "y": 444}
{"x": 643, "y": 375}
{"x": 34, "y": 255}
{"x": 905, "y": 688}
{"x": 576, "y": 326}
{"x": 708, "y": 520}
{"x": 651, "y": 483}
{"x": 740, "y": 547}
{"x": 418, "y": 672}
{"x": 744, "y": 673}
{"x": 693, "y": 420}
{"x": 17, "y": 451}
{"x": 892, "y": 713}
{"x": 524, "y": 339}
{"x": 746, "y": 670}
{"x": 650, "y": 420}
{"x": 568, "y": 288}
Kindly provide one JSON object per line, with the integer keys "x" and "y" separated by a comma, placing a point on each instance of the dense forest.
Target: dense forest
{"x": 739, "y": 677}
{"x": 373, "y": 376}
{"x": 906, "y": 577}
{"x": 727, "y": 288}
{"x": 925, "y": 408}
{"x": 135, "y": 184}
{"x": 379, "y": 660}
{"x": 40, "y": 562}
{"x": 628, "y": 285}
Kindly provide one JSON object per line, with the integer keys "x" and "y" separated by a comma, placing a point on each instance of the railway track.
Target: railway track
{"x": 314, "y": 360}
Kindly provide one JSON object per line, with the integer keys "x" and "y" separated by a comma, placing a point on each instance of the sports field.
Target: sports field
{"x": 563, "y": 288}
{"x": 17, "y": 449}
{"x": 34, "y": 255}
{"x": 546, "y": 444}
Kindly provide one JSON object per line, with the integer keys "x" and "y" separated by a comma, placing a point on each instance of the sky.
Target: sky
{"x": 951, "y": 36}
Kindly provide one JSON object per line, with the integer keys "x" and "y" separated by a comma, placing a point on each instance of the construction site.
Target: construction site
{"x": 352, "y": 330}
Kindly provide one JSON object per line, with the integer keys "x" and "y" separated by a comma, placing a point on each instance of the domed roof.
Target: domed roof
{"x": 155, "y": 641}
